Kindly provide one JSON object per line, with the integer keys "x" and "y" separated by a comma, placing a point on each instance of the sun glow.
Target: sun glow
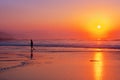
{"x": 99, "y": 31}
{"x": 98, "y": 24}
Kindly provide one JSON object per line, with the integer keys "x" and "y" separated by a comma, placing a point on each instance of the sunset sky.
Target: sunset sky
{"x": 60, "y": 19}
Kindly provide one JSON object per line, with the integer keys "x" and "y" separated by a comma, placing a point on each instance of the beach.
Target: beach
{"x": 58, "y": 63}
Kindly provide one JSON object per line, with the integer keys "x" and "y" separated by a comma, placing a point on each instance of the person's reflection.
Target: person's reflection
{"x": 98, "y": 65}
{"x": 31, "y": 55}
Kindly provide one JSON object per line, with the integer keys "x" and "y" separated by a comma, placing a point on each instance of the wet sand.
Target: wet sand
{"x": 60, "y": 66}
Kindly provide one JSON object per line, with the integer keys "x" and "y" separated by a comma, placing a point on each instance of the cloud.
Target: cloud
{"x": 5, "y": 36}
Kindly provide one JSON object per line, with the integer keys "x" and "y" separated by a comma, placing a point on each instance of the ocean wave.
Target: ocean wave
{"x": 72, "y": 44}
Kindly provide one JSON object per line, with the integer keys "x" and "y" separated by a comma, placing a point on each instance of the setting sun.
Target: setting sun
{"x": 99, "y": 27}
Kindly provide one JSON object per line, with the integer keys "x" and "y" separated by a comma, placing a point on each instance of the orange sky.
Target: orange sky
{"x": 60, "y": 18}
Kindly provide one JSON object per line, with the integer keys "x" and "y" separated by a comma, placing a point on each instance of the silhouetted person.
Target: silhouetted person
{"x": 31, "y": 44}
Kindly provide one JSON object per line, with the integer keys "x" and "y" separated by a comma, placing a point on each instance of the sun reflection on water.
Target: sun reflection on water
{"x": 98, "y": 65}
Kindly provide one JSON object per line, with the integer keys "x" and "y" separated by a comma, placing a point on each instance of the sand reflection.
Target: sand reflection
{"x": 98, "y": 65}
